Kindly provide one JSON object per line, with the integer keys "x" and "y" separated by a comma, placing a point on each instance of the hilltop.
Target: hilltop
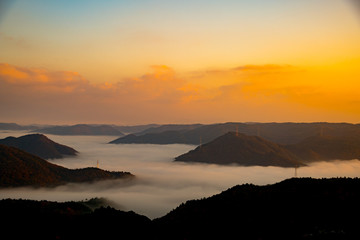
{"x": 39, "y": 145}
{"x": 237, "y": 148}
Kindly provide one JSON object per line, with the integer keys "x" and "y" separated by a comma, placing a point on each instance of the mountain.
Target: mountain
{"x": 39, "y": 145}
{"x": 281, "y": 133}
{"x": 19, "y": 168}
{"x": 14, "y": 126}
{"x": 293, "y": 209}
{"x": 82, "y": 129}
{"x": 321, "y": 148}
{"x": 24, "y": 219}
{"x": 237, "y": 148}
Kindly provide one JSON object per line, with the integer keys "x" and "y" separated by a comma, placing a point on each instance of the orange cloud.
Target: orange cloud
{"x": 245, "y": 93}
{"x": 42, "y": 79}
{"x": 9, "y": 72}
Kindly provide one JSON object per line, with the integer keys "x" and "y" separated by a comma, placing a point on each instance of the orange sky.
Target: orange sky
{"x": 166, "y": 62}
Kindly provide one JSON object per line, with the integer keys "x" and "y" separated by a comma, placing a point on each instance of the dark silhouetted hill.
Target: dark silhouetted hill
{"x": 233, "y": 148}
{"x": 298, "y": 208}
{"x": 292, "y": 209}
{"x": 82, "y": 129}
{"x": 24, "y": 219}
{"x": 39, "y": 145}
{"x": 19, "y": 168}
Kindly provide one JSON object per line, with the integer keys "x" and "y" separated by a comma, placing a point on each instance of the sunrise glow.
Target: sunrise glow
{"x": 134, "y": 62}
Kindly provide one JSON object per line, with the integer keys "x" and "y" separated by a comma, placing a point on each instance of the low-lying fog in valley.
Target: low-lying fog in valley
{"x": 160, "y": 183}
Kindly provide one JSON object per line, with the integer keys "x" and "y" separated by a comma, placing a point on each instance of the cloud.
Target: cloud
{"x": 13, "y": 41}
{"x": 42, "y": 79}
{"x": 262, "y": 68}
{"x": 43, "y": 94}
{"x": 244, "y": 93}
{"x": 161, "y": 84}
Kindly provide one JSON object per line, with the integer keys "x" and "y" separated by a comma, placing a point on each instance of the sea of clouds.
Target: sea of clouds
{"x": 160, "y": 184}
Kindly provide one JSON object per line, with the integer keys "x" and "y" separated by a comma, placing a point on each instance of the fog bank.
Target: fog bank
{"x": 160, "y": 183}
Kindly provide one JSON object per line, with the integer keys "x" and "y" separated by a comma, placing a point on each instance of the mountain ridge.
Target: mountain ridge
{"x": 280, "y": 133}
{"x": 81, "y": 129}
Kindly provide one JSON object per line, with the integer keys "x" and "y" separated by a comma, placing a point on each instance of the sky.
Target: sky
{"x": 156, "y": 61}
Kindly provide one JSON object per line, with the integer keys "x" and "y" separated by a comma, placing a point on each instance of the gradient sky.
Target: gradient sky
{"x": 131, "y": 62}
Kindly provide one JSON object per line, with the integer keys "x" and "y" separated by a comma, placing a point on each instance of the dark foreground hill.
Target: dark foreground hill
{"x": 39, "y": 145}
{"x": 26, "y": 219}
{"x": 237, "y": 148}
{"x": 292, "y": 209}
{"x": 19, "y": 168}
{"x": 82, "y": 129}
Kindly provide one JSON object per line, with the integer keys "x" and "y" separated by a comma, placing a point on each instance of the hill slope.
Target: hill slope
{"x": 19, "y": 168}
{"x": 233, "y": 148}
{"x": 39, "y": 145}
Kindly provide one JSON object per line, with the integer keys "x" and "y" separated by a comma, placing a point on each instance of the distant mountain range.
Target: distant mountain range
{"x": 39, "y": 145}
{"x": 298, "y": 208}
{"x": 265, "y": 144}
{"x": 169, "y": 127}
{"x": 14, "y": 126}
{"x": 281, "y": 133}
{"x": 19, "y": 168}
{"x": 319, "y": 148}
{"x": 81, "y": 129}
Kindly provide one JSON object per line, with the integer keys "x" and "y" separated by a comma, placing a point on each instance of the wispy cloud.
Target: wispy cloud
{"x": 14, "y": 41}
